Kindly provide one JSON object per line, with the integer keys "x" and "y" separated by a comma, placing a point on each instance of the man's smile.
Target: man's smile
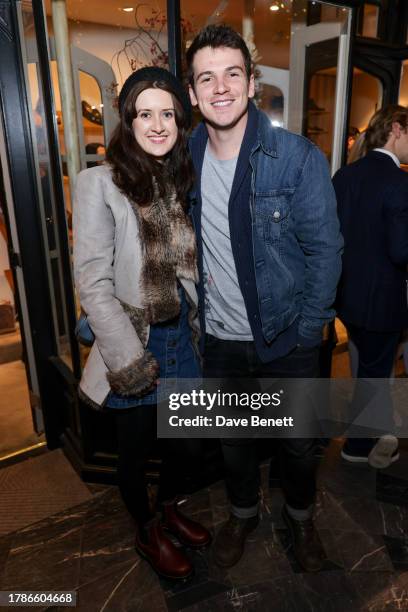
{"x": 221, "y": 103}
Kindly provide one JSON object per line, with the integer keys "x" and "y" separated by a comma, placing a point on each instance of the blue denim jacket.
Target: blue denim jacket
{"x": 296, "y": 240}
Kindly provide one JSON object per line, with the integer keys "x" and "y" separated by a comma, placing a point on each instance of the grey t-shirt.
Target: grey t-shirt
{"x": 225, "y": 312}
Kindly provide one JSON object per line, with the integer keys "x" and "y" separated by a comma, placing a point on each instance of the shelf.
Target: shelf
{"x": 318, "y": 112}
{"x": 316, "y": 132}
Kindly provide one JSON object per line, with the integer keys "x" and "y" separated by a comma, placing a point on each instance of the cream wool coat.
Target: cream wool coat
{"x": 107, "y": 269}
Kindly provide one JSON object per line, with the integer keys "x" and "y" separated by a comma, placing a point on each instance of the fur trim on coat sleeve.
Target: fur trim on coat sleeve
{"x": 136, "y": 378}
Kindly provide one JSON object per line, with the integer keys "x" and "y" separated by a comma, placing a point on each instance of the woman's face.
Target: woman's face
{"x": 155, "y": 126}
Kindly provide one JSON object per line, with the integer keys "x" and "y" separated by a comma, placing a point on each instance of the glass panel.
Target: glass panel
{"x": 370, "y": 21}
{"x": 279, "y": 32}
{"x": 92, "y": 119}
{"x": 403, "y": 94}
{"x": 61, "y": 140}
{"x": 320, "y": 110}
{"x": 332, "y": 14}
{"x": 124, "y": 39}
{"x": 196, "y": 15}
{"x": 271, "y": 102}
{"x": 366, "y": 98}
{"x": 18, "y": 425}
{"x": 322, "y": 78}
{"x": 107, "y": 44}
{"x": 45, "y": 184}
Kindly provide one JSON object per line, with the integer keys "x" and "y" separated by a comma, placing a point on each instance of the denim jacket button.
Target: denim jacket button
{"x": 276, "y": 215}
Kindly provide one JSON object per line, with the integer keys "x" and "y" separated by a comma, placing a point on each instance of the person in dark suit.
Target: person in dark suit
{"x": 372, "y": 195}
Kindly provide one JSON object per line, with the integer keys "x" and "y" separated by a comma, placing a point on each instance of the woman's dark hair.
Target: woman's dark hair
{"x": 133, "y": 170}
{"x": 216, "y": 36}
{"x": 380, "y": 125}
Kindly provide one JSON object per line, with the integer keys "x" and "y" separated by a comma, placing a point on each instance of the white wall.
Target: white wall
{"x": 104, "y": 42}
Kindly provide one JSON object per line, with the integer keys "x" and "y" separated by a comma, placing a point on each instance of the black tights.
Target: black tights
{"x": 136, "y": 434}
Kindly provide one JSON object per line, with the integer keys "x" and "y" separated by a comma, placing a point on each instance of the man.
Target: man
{"x": 269, "y": 256}
{"x": 372, "y": 195}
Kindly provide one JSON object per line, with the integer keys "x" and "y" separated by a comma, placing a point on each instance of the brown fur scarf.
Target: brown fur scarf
{"x": 169, "y": 252}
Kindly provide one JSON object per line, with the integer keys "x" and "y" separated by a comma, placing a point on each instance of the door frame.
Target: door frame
{"x": 29, "y": 262}
{"x": 301, "y": 39}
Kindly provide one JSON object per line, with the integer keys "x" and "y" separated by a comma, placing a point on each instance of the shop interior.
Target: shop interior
{"x": 108, "y": 41}
{"x": 71, "y": 531}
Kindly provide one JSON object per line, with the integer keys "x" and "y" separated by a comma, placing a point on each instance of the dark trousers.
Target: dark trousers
{"x": 136, "y": 435}
{"x": 376, "y": 355}
{"x": 236, "y": 359}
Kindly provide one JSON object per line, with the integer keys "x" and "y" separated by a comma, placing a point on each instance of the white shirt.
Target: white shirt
{"x": 392, "y": 155}
{"x": 225, "y": 313}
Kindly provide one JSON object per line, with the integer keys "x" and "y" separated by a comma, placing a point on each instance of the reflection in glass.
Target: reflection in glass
{"x": 272, "y": 103}
{"x": 366, "y": 98}
{"x": 107, "y": 44}
{"x": 403, "y": 93}
{"x": 45, "y": 185}
{"x": 366, "y": 95}
{"x": 320, "y": 109}
{"x": 92, "y": 118}
{"x": 298, "y": 90}
{"x": 370, "y": 21}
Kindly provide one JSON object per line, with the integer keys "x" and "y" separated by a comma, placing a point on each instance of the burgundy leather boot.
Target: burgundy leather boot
{"x": 188, "y": 532}
{"x": 164, "y": 557}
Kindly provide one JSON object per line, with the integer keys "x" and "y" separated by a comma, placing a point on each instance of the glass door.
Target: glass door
{"x": 312, "y": 99}
{"x": 21, "y": 417}
{"x": 288, "y": 39}
{"x": 48, "y": 178}
{"x": 24, "y": 193}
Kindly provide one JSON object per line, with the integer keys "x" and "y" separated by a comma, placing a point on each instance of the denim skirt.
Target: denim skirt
{"x": 170, "y": 343}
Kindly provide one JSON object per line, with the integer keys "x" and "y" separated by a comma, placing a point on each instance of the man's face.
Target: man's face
{"x": 221, "y": 88}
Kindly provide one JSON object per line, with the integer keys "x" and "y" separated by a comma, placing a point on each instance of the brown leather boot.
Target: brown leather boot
{"x": 165, "y": 558}
{"x": 307, "y": 547}
{"x": 188, "y": 532}
{"x": 230, "y": 541}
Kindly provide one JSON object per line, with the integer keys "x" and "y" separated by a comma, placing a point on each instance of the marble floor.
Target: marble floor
{"x": 361, "y": 514}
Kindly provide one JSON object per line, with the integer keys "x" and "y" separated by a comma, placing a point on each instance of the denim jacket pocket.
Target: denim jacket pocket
{"x": 273, "y": 212}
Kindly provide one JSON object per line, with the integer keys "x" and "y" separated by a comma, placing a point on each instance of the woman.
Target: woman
{"x": 135, "y": 270}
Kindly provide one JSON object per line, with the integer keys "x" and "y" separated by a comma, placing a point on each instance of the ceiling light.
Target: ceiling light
{"x": 128, "y": 9}
{"x": 274, "y": 7}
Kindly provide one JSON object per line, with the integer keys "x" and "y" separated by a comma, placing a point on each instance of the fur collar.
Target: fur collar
{"x": 169, "y": 253}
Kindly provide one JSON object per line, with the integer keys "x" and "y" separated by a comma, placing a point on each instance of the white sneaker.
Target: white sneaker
{"x": 384, "y": 452}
